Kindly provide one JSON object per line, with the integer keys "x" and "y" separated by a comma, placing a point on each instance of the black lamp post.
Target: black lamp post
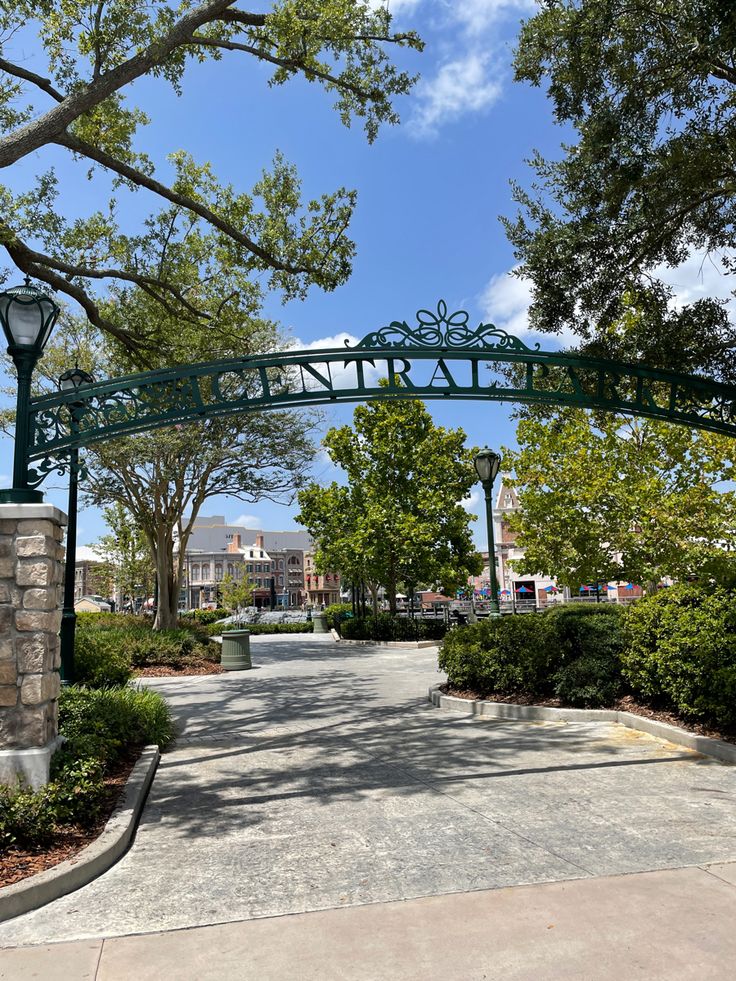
{"x": 27, "y": 316}
{"x": 71, "y": 381}
{"x": 487, "y": 464}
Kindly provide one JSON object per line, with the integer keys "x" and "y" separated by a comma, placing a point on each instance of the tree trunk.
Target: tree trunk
{"x": 167, "y": 613}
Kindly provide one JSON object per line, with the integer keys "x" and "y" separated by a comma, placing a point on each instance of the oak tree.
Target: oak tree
{"x": 75, "y": 94}
{"x": 648, "y": 91}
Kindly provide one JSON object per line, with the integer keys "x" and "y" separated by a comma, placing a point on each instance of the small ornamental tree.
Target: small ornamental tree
{"x": 607, "y": 497}
{"x": 399, "y": 518}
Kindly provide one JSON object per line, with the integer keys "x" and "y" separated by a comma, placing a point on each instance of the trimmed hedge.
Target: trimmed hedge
{"x": 681, "y": 652}
{"x": 108, "y": 646}
{"x": 101, "y": 727}
{"x": 205, "y": 617}
{"x": 511, "y": 654}
{"x": 675, "y": 649}
{"x": 388, "y": 627}
{"x": 336, "y": 613}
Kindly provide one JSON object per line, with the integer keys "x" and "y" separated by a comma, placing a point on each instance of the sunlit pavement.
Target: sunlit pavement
{"x": 323, "y": 779}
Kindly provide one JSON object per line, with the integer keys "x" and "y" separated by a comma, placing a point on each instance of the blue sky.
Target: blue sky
{"x": 429, "y": 193}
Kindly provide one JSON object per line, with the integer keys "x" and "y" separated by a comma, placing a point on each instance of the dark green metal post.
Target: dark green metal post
{"x": 21, "y": 493}
{"x": 69, "y": 616}
{"x": 494, "y": 608}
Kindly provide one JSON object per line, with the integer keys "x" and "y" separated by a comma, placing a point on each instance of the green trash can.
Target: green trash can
{"x": 236, "y": 650}
{"x": 320, "y": 624}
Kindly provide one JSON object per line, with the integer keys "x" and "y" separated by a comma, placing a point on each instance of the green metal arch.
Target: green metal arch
{"x": 440, "y": 358}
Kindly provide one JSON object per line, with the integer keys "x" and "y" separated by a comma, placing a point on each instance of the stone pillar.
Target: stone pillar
{"x": 31, "y": 573}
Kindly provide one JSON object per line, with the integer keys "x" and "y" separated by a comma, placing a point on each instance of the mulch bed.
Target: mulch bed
{"x": 17, "y": 864}
{"x": 626, "y": 704}
{"x": 166, "y": 671}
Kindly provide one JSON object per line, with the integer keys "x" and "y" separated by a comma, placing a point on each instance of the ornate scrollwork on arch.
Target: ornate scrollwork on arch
{"x": 443, "y": 330}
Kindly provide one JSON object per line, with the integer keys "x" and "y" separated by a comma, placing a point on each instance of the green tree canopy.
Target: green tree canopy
{"x": 74, "y": 93}
{"x": 649, "y": 90}
{"x": 613, "y": 498}
{"x": 125, "y": 553}
{"x": 399, "y": 518}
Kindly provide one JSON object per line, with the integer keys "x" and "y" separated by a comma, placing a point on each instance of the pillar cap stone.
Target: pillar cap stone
{"x": 24, "y": 512}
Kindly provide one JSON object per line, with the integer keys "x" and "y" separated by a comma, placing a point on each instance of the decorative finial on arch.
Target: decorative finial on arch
{"x": 443, "y": 330}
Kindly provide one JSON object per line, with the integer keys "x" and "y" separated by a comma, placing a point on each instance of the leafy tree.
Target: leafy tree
{"x": 88, "y": 56}
{"x": 399, "y": 519}
{"x": 125, "y": 553}
{"x": 163, "y": 478}
{"x": 236, "y": 593}
{"x": 612, "y": 498}
{"x": 649, "y": 90}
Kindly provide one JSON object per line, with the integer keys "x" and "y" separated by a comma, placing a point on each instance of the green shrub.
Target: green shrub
{"x": 590, "y": 681}
{"x": 302, "y": 627}
{"x": 510, "y": 654}
{"x": 336, "y": 613}
{"x": 78, "y": 788}
{"x": 27, "y": 819}
{"x": 387, "y": 627}
{"x": 596, "y": 630}
{"x": 205, "y": 617}
{"x": 107, "y": 722}
{"x": 100, "y": 658}
{"x": 681, "y": 652}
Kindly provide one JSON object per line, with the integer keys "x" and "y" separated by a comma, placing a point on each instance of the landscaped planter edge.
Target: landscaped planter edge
{"x": 413, "y": 644}
{"x": 93, "y": 860}
{"x": 707, "y": 746}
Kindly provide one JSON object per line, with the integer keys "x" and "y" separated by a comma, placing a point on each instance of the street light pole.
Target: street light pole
{"x": 71, "y": 381}
{"x": 487, "y": 464}
{"x": 27, "y": 316}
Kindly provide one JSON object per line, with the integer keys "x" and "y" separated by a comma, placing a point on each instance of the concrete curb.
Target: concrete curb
{"x": 409, "y": 644}
{"x": 93, "y": 860}
{"x": 719, "y": 750}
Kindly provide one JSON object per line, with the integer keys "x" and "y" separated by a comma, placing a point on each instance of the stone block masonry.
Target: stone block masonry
{"x": 31, "y": 576}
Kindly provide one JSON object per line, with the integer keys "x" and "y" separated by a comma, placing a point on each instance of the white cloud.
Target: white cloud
{"x": 459, "y": 87}
{"x": 472, "y": 502}
{"x": 248, "y": 521}
{"x": 698, "y": 277}
{"x": 477, "y": 16}
{"x": 505, "y": 302}
{"x": 86, "y": 553}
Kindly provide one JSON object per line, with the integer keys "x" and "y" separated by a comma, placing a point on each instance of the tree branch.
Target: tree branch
{"x": 46, "y": 128}
{"x": 296, "y": 66}
{"x": 89, "y": 272}
{"x": 38, "y": 80}
{"x": 85, "y": 149}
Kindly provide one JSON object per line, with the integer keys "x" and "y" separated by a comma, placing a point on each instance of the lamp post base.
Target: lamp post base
{"x": 21, "y": 495}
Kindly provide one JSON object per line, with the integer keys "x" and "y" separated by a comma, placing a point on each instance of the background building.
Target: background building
{"x": 216, "y": 549}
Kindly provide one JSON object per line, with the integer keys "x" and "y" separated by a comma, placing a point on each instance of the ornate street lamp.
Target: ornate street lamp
{"x": 73, "y": 380}
{"x": 487, "y": 464}
{"x": 27, "y": 316}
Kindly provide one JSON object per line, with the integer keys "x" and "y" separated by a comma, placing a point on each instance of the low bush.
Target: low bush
{"x": 511, "y": 654}
{"x": 681, "y": 652}
{"x": 105, "y": 723}
{"x": 590, "y": 681}
{"x": 591, "y": 639}
{"x": 27, "y": 818}
{"x": 100, "y": 727}
{"x": 101, "y": 657}
{"x": 336, "y": 613}
{"x": 205, "y": 617}
{"x": 109, "y": 645}
{"x": 388, "y": 627}
{"x": 301, "y": 627}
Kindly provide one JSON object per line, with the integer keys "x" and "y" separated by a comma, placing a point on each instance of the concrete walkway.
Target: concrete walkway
{"x": 323, "y": 779}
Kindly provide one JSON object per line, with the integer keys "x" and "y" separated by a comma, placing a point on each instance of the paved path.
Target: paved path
{"x": 323, "y": 779}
